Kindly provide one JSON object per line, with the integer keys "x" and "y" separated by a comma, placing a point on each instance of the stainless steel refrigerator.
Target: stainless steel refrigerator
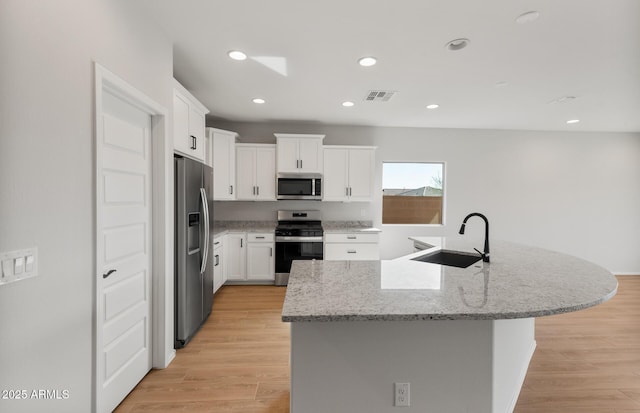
{"x": 193, "y": 261}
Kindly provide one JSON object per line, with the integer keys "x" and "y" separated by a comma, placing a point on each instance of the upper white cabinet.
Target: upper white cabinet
{"x": 348, "y": 173}
{"x": 256, "y": 172}
{"x": 299, "y": 153}
{"x": 188, "y": 124}
{"x": 224, "y": 163}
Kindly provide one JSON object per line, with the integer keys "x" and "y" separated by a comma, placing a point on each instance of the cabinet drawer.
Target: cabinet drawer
{"x": 351, "y": 252}
{"x": 351, "y": 237}
{"x": 260, "y": 237}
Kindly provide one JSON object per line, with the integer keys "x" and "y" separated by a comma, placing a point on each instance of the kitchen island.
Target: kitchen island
{"x": 462, "y": 337}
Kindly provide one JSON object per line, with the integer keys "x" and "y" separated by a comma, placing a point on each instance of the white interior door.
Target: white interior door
{"x": 123, "y": 249}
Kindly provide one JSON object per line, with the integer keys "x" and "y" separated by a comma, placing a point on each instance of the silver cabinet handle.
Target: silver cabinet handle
{"x": 240, "y": 242}
{"x": 231, "y": 189}
{"x": 259, "y": 237}
{"x": 271, "y": 252}
{"x": 108, "y": 273}
{"x": 194, "y": 142}
{"x": 258, "y": 190}
{"x": 351, "y": 252}
{"x": 217, "y": 257}
{"x": 351, "y": 237}
{"x": 346, "y": 191}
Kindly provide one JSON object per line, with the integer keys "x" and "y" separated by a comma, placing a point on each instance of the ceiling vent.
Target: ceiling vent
{"x": 379, "y": 95}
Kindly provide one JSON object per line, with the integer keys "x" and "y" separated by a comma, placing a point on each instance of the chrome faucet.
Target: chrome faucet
{"x": 485, "y": 254}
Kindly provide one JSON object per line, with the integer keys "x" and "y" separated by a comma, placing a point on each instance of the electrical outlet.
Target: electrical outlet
{"x": 402, "y": 394}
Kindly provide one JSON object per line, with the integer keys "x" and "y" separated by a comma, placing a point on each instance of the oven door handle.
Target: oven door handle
{"x": 298, "y": 239}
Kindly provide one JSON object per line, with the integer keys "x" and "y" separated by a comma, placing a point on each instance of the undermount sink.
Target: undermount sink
{"x": 448, "y": 257}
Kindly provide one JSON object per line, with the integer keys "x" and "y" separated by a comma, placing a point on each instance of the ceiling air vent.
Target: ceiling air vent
{"x": 379, "y": 95}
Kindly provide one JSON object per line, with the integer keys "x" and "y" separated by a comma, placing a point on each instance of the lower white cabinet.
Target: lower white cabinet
{"x": 260, "y": 257}
{"x": 236, "y": 256}
{"x": 249, "y": 257}
{"x": 219, "y": 275}
{"x": 351, "y": 246}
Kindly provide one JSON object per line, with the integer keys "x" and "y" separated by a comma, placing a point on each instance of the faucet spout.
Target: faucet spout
{"x": 485, "y": 254}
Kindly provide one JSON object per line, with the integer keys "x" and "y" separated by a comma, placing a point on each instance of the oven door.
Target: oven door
{"x": 289, "y": 249}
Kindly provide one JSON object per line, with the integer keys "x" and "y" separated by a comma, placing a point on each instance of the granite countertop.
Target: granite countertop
{"x": 520, "y": 282}
{"x": 222, "y": 227}
{"x": 349, "y": 226}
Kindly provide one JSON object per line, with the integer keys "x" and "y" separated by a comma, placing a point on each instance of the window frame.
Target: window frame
{"x": 444, "y": 194}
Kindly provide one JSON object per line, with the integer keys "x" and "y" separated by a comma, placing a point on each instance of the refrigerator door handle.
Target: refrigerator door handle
{"x": 205, "y": 207}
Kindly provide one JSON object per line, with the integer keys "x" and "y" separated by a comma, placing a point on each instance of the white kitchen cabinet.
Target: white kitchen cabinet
{"x": 260, "y": 257}
{"x": 348, "y": 173}
{"x": 299, "y": 153}
{"x": 219, "y": 275}
{"x": 249, "y": 257}
{"x": 188, "y": 124}
{"x": 235, "y": 263}
{"x": 256, "y": 172}
{"x": 224, "y": 163}
{"x": 351, "y": 246}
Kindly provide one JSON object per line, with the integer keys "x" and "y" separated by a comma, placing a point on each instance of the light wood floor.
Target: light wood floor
{"x": 587, "y": 362}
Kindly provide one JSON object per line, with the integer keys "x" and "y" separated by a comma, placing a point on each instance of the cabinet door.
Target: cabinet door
{"x": 265, "y": 169}
{"x": 180, "y": 124}
{"x": 196, "y": 134}
{"x": 218, "y": 271}
{"x": 260, "y": 261}
{"x": 288, "y": 160}
{"x": 235, "y": 256}
{"x": 335, "y": 175}
{"x": 361, "y": 170}
{"x": 224, "y": 166}
{"x": 245, "y": 173}
{"x": 310, "y": 155}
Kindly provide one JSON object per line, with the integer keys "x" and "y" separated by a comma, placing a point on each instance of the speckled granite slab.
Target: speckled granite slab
{"x": 520, "y": 282}
{"x": 221, "y": 227}
{"x": 348, "y": 226}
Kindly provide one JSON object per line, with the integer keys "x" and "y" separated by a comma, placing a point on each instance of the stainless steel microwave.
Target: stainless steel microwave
{"x": 300, "y": 186}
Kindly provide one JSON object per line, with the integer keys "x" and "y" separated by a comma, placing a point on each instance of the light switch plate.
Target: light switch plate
{"x": 18, "y": 265}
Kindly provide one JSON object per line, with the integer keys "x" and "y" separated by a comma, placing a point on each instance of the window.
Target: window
{"x": 412, "y": 193}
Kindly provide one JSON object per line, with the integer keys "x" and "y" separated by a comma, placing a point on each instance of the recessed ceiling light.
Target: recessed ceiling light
{"x": 528, "y": 17}
{"x": 259, "y": 101}
{"x": 367, "y": 61}
{"x": 572, "y": 121}
{"x": 457, "y": 44}
{"x": 347, "y": 104}
{"x": 237, "y": 55}
{"x": 501, "y": 83}
{"x": 433, "y": 106}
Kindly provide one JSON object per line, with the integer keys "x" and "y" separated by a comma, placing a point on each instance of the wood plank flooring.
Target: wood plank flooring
{"x": 587, "y": 361}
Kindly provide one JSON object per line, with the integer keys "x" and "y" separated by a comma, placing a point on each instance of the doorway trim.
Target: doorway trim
{"x": 162, "y": 350}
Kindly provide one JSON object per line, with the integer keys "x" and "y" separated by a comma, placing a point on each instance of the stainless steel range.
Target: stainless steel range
{"x": 299, "y": 236}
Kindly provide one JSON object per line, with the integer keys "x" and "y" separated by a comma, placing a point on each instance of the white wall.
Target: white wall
{"x": 568, "y": 191}
{"x": 47, "y": 179}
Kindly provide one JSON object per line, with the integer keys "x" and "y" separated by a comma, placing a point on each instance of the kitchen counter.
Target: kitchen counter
{"x": 461, "y": 337}
{"x": 349, "y": 226}
{"x": 222, "y": 227}
{"x": 519, "y": 282}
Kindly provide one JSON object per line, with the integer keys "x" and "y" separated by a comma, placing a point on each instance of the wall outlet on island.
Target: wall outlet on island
{"x": 401, "y": 391}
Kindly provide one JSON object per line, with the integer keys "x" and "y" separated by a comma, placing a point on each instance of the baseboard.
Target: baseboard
{"x": 521, "y": 377}
{"x": 637, "y": 273}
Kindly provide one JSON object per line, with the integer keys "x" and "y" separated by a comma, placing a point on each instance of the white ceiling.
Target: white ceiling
{"x": 589, "y": 49}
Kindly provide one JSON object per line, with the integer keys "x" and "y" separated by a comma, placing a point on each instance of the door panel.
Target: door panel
{"x": 124, "y": 245}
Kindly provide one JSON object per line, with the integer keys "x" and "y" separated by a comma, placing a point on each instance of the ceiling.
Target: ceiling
{"x": 579, "y": 60}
